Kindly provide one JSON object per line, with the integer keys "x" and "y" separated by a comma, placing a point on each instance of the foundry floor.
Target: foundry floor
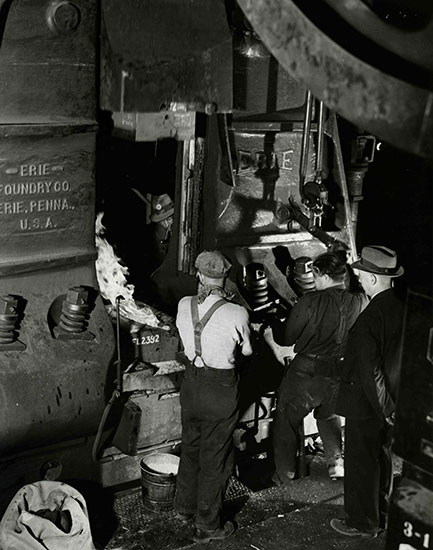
{"x": 268, "y": 518}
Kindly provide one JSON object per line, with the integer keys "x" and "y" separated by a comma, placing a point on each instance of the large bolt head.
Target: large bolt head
{"x": 63, "y": 17}
{"x": 77, "y": 295}
{"x": 8, "y": 305}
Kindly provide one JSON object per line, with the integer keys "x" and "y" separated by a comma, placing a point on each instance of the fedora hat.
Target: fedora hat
{"x": 379, "y": 260}
{"x": 162, "y": 207}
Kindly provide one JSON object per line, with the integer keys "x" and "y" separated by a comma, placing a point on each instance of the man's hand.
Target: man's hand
{"x": 390, "y": 420}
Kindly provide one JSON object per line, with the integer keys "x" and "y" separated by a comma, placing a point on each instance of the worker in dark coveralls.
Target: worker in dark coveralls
{"x": 213, "y": 330}
{"x": 318, "y": 326}
{"x": 367, "y": 396}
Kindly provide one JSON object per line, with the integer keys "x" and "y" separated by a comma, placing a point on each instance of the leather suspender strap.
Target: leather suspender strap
{"x": 199, "y": 324}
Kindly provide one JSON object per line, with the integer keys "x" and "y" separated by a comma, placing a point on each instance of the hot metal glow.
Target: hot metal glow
{"x": 112, "y": 280}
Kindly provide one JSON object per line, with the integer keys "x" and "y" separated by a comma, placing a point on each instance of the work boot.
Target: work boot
{"x": 336, "y": 469}
{"x": 184, "y": 517}
{"x": 286, "y": 480}
{"x": 203, "y": 536}
{"x": 341, "y": 527}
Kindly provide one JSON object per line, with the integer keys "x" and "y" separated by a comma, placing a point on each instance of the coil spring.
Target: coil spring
{"x": 74, "y": 317}
{"x": 8, "y": 320}
{"x": 303, "y": 274}
{"x": 256, "y": 282}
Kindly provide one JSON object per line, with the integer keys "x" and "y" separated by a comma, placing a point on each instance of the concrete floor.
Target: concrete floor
{"x": 293, "y": 518}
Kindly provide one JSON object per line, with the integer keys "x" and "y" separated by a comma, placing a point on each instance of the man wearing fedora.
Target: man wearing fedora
{"x": 367, "y": 396}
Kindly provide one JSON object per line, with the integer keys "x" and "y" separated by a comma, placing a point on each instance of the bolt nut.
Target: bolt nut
{"x": 63, "y": 17}
{"x": 77, "y": 295}
{"x": 8, "y": 305}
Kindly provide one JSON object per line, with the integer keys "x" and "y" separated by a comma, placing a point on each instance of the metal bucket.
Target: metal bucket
{"x": 158, "y": 480}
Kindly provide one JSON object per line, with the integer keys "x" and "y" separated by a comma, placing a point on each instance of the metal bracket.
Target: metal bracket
{"x": 61, "y": 334}
{"x": 13, "y": 346}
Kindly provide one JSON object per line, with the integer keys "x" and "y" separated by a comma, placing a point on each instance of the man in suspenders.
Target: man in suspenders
{"x": 213, "y": 330}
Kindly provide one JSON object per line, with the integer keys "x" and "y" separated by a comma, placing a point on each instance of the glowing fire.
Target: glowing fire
{"x": 112, "y": 281}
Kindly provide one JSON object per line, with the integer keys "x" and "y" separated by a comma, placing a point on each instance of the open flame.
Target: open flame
{"x": 112, "y": 281}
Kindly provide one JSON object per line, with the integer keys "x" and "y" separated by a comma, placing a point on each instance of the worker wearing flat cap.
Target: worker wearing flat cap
{"x": 367, "y": 396}
{"x": 213, "y": 330}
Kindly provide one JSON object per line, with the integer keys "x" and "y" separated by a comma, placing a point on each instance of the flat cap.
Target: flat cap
{"x": 212, "y": 263}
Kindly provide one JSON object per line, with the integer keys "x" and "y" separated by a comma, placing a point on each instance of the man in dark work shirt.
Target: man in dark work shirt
{"x": 318, "y": 326}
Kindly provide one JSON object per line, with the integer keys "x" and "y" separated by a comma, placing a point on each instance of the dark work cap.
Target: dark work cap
{"x": 212, "y": 263}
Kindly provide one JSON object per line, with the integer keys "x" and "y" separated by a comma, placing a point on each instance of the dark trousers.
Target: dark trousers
{"x": 368, "y": 473}
{"x": 299, "y": 393}
{"x": 209, "y": 402}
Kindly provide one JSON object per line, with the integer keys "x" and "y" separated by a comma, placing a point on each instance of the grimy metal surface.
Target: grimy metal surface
{"x": 388, "y": 106}
{"x": 250, "y": 209}
{"x": 156, "y": 54}
{"x": 54, "y": 390}
{"x": 46, "y": 195}
{"x": 243, "y": 220}
{"x": 51, "y": 389}
{"x": 261, "y": 85}
{"x": 48, "y": 61}
{"x": 414, "y": 45}
{"x": 413, "y": 434}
